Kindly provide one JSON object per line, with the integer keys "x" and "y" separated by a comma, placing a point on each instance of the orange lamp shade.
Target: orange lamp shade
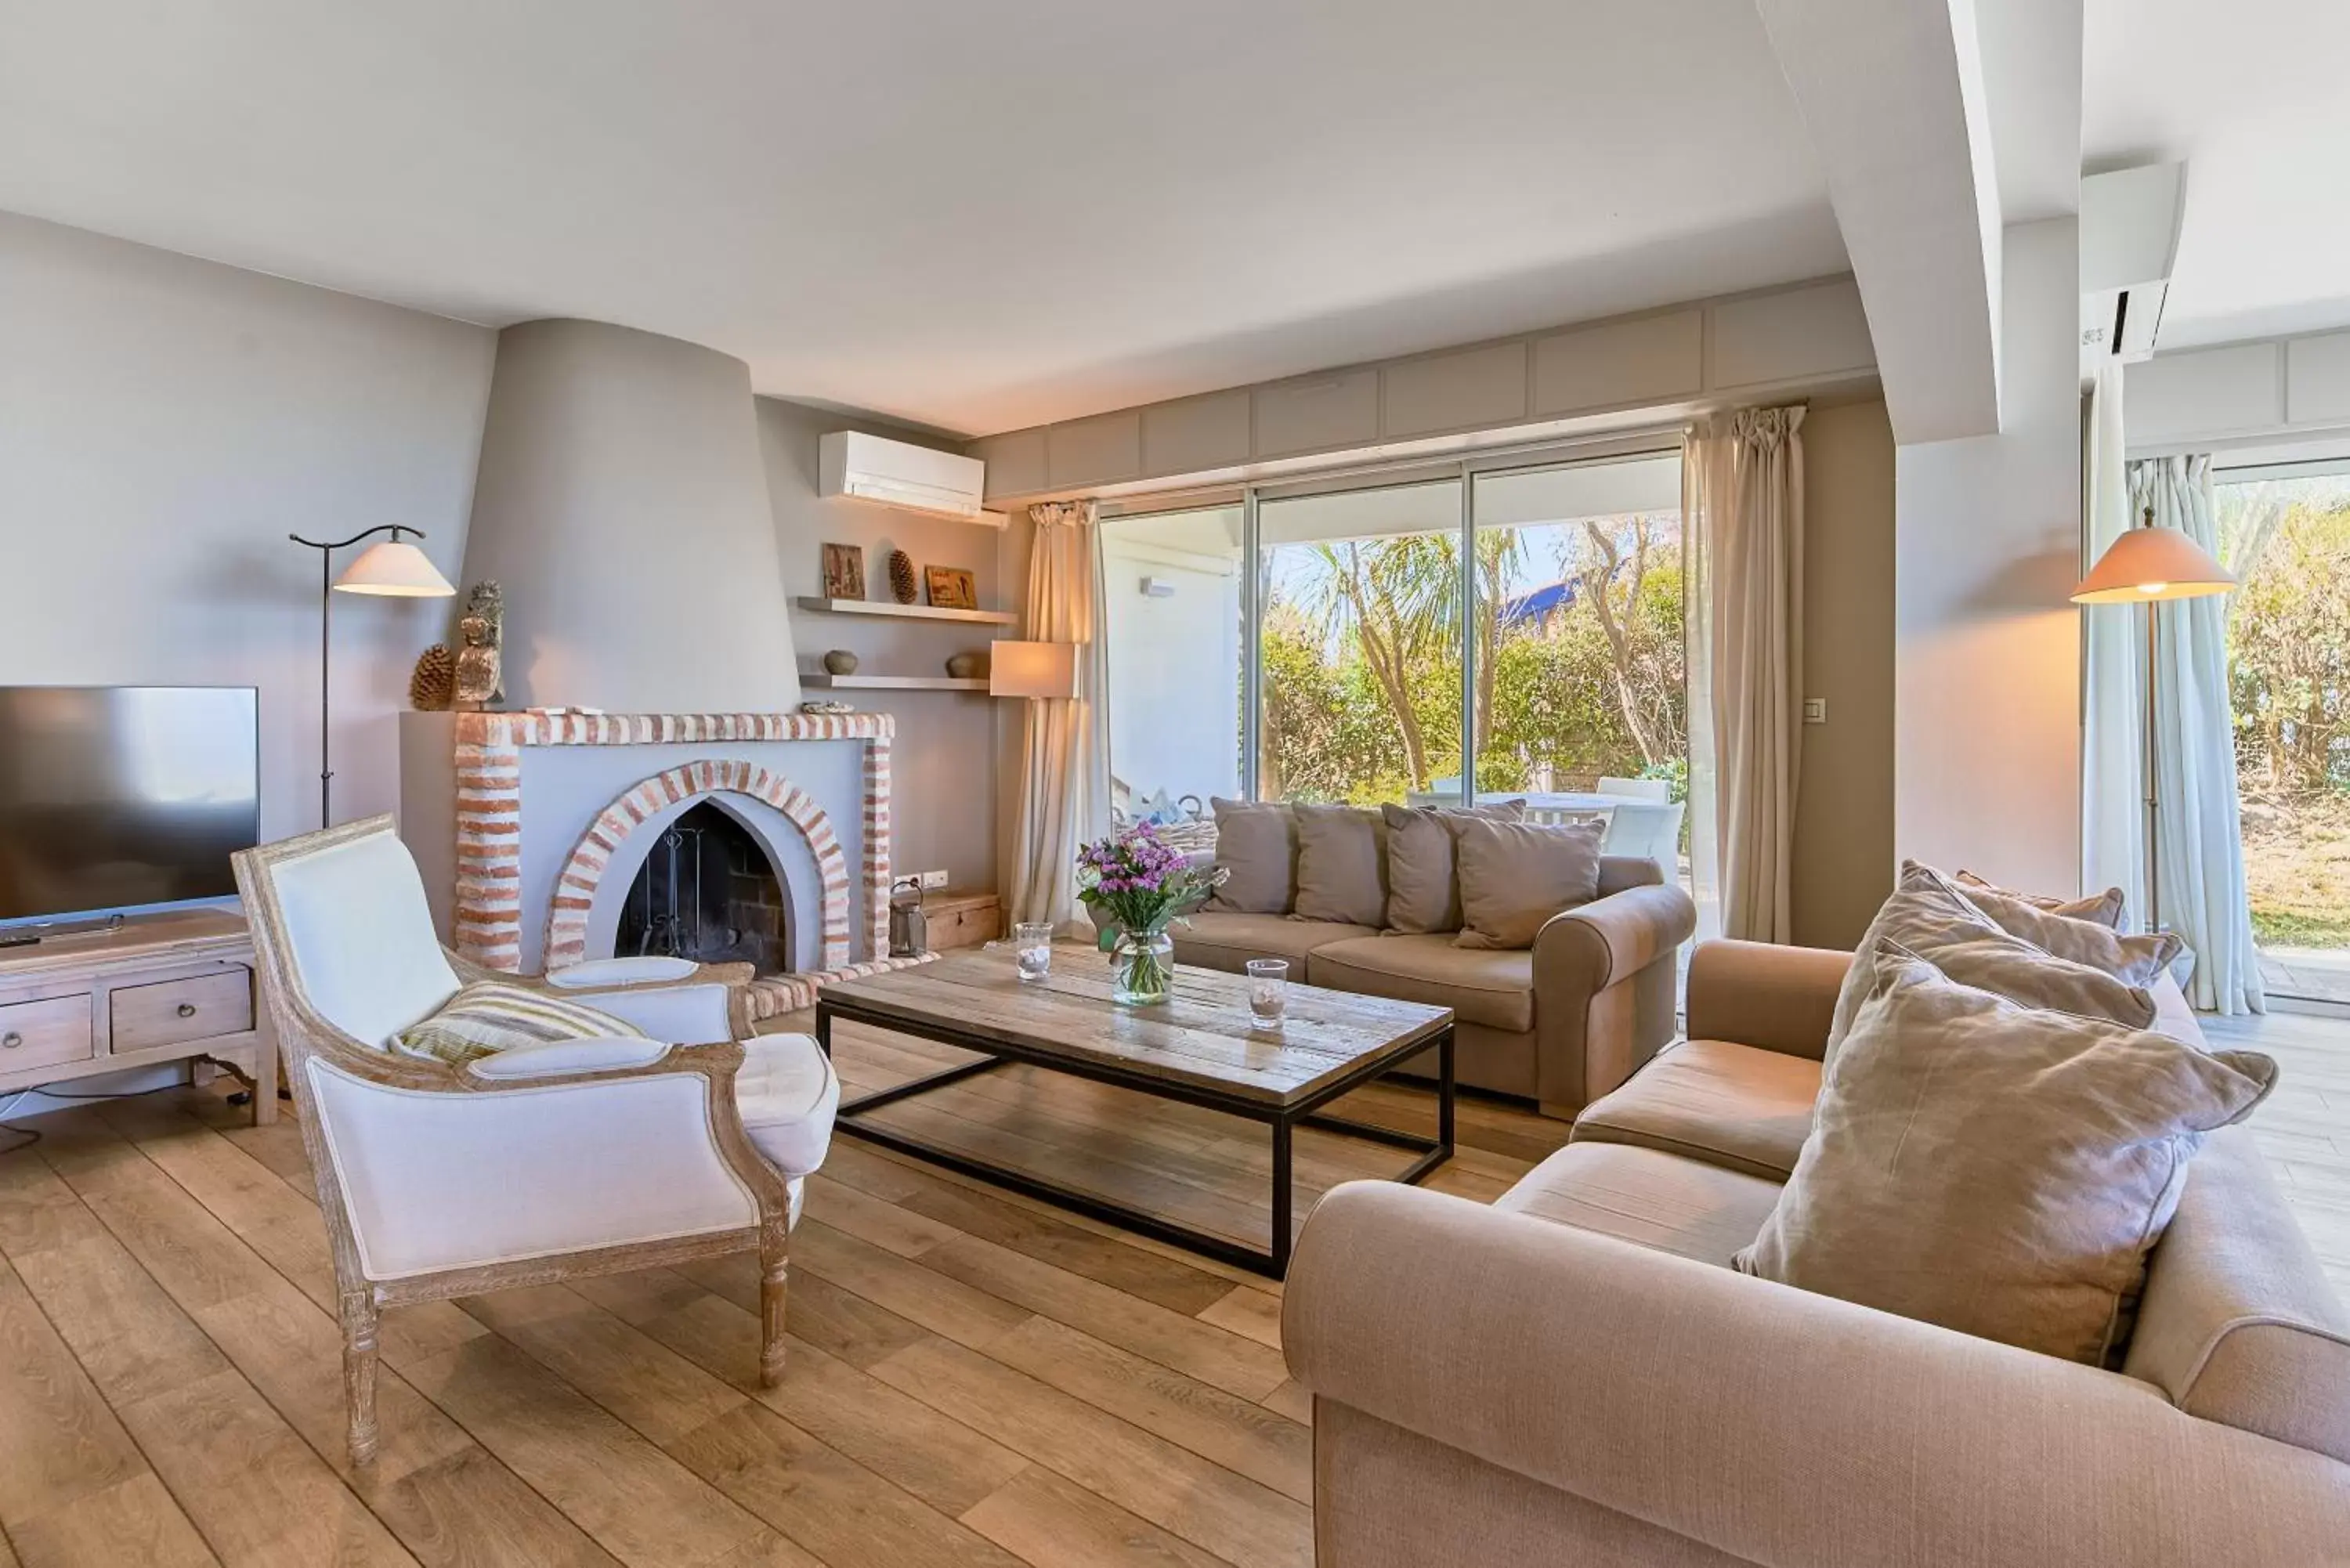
{"x": 1031, "y": 670}
{"x": 2152, "y": 563}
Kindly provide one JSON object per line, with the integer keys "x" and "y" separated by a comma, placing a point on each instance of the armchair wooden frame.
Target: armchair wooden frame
{"x": 305, "y": 1035}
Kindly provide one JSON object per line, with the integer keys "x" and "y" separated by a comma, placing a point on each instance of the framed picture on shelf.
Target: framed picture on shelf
{"x": 952, "y": 588}
{"x": 843, "y": 571}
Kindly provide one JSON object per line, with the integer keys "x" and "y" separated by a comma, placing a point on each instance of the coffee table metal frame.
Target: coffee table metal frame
{"x": 1282, "y": 1119}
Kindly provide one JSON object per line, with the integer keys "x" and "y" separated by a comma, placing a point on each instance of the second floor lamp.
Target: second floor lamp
{"x": 392, "y": 569}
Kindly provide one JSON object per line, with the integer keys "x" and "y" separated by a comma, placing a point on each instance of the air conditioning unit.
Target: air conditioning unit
{"x": 2130, "y": 239}
{"x": 908, "y": 477}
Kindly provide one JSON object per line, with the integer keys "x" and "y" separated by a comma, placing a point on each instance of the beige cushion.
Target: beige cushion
{"x": 1256, "y": 844}
{"x": 2137, "y": 960}
{"x": 1491, "y": 987}
{"x": 1514, "y": 876}
{"x": 1224, "y": 942}
{"x": 1684, "y": 1207}
{"x": 1930, "y": 915}
{"x": 1737, "y": 1106}
{"x": 1342, "y": 864}
{"x": 489, "y": 1016}
{"x": 2106, "y": 908}
{"x": 1997, "y": 1170}
{"x": 1423, "y": 885}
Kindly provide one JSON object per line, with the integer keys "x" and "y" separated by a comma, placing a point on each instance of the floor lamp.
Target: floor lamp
{"x": 393, "y": 569}
{"x": 2146, "y": 566}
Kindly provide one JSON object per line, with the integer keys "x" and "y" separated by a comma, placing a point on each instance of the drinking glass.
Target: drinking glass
{"x": 1032, "y": 948}
{"x": 1268, "y": 984}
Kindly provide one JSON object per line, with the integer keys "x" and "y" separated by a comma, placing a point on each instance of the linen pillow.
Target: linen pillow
{"x": 2105, "y": 908}
{"x": 1256, "y": 844}
{"x": 1423, "y": 884}
{"x": 1997, "y": 1169}
{"x": 1923, "y": 912}
{"x": 2011, "y": 967}
{"x": 1514, "y": 876}
{"x": 1342, "y": 864}
{"x": 490, "y": 1016}
{"x": 2140, "y": 960}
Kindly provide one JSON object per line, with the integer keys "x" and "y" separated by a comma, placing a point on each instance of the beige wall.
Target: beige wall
{"x": 1843, "y": 815}
{"x": 164, "y": 424}
{"x": 942, "y": 765}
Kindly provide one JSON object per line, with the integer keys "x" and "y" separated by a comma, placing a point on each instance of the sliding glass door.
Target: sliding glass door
{"x": 1389, "y": 641}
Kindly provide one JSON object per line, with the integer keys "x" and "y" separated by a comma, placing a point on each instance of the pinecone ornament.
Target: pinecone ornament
{"x": 433, "y": 687}
{"x": 902, "y": 585}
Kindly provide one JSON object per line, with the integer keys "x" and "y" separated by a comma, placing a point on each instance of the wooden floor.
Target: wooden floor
{"x": 974, "y": 1380}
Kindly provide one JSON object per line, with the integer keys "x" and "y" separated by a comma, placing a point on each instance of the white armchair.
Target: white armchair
{"x": 536, "y": 1164}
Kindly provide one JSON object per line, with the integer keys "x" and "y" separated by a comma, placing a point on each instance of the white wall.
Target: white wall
{"x": 1987, "y": 716}
{"x": 164, "y": 424}
{"x": 1174, "y": 668}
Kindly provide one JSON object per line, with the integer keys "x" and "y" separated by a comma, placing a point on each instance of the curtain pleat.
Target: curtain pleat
{"x": 1064, "y": 746}
{"x": 1743, "y": 501}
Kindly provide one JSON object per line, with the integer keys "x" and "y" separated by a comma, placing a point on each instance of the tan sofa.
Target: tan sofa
{"x": 1575, "y": 1375}
{"x": 1561, "y": 1024}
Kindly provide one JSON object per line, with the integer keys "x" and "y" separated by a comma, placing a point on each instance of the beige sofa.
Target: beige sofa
{"x": 1561, "y": 1024}
{"x": 1575, "y": 1375}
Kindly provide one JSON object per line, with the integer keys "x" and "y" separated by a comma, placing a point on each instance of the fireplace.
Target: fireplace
{"x": 709, "y": 892}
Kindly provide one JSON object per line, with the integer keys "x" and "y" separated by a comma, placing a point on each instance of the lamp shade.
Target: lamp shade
{"x": 1033, "y": 669}
{"x": 2152, "y": 563}
{"x": 394, "y": 568}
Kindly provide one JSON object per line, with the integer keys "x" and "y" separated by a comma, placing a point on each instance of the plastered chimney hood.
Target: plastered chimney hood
{"x": 622, "y": 503}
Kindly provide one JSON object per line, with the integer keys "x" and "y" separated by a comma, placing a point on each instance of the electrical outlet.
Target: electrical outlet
{"x": 933, "y": 880}
{"x": 1815, "y": 710}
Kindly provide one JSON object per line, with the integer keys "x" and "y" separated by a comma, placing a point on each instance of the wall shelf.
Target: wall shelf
{"x": 893, "y": 611}
{"x": 893, "y": 682}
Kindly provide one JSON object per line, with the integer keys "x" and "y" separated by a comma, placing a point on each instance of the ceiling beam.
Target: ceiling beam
{"x": 1892, "y": 93}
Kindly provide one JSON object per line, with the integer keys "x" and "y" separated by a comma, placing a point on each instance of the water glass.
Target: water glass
{"x": 1268, "y": 991}
{"x": 1032, "y": 948}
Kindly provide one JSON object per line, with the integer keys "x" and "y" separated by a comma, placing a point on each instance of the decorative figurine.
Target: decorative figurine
{"x": 433, "y": 686}
{"x": 480, "y": 683}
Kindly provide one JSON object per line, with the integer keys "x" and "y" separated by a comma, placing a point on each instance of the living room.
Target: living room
{"x": 1217, "y": 784}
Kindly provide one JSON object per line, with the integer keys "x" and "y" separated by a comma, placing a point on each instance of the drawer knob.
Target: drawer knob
{"x": 11, "y": 1040}
{"x": 187, "y": 1010}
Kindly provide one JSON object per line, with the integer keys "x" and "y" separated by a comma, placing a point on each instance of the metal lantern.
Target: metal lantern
{"x": 909, "y": 930}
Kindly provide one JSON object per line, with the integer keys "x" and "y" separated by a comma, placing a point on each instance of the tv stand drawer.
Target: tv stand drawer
{"x": 44, "y": 1034}
{"x": 168, "y": 1012}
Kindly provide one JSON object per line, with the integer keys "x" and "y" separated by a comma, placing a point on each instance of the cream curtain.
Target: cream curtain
{"x": 1743, "y": 505}
{"x": 2199, "y": 836}
{"x": 1064, "y": 741}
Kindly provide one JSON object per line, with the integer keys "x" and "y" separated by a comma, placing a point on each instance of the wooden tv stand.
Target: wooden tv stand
{"x": 156, "y": 989}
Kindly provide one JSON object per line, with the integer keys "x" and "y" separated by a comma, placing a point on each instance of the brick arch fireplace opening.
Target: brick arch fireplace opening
{"x": 709, "y": 891}
{"x": 586, "y": 915}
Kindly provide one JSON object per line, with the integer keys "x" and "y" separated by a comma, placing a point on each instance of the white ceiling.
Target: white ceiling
{"x": 977, "y": 216}
{"x": 2250, "y": 93}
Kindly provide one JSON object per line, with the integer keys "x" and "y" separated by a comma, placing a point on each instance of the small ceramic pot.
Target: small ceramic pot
{"x": 840, "y": 661}
{"x": 966, "y": 666}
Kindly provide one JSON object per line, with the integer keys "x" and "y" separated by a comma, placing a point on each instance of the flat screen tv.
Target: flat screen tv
{"x": 123, "y": 797}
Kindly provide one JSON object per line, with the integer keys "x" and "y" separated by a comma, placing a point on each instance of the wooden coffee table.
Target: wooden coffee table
{"x": 1200, "y": 1047}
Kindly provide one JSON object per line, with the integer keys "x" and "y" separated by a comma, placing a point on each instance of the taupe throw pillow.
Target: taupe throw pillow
{"x": 1342, "y": 864}
{"x": 1924, "y": 912}
{"x": 2139, "y": 960}
{"x": 2105, "y": 908}
{"x": 1256, "y": 843}
{"x": 1514, "y": 876}
{"x": 1423, "y": 885}
{"x": 1997, "y": 1170}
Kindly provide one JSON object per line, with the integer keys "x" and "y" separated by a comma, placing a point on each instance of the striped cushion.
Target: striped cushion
{"x": 489, "y": 1016}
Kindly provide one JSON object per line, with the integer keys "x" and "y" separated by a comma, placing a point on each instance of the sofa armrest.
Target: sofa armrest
{"x": 1766, "y": 1422}
{"x": 1770, "y": 997}
{"x": 1604, "y": 991}
{"x": 680, "y": 1014}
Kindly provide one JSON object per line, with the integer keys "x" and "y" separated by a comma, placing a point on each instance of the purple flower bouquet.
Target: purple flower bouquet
{"x": 1137, "y": 885}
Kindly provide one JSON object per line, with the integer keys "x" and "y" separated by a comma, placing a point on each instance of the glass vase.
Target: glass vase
{"x": 1142, "y": 965}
